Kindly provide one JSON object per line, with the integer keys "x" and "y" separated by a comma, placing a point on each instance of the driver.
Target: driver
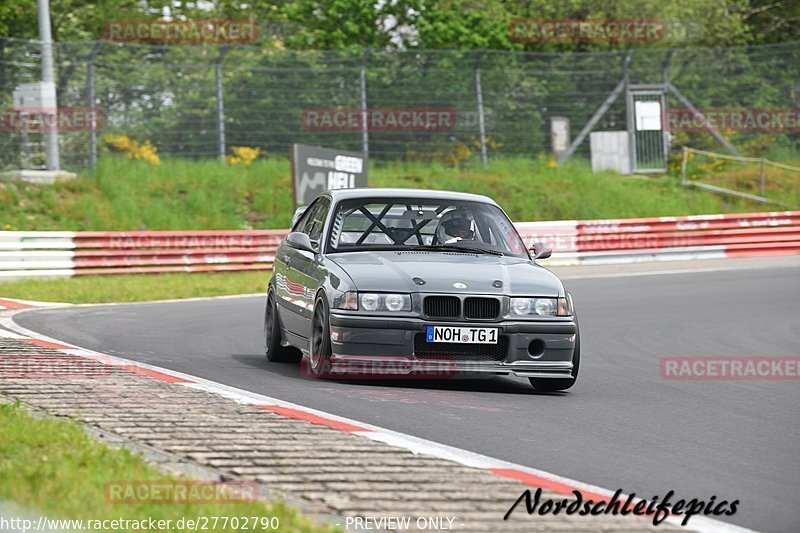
{"x": 456, "y": 225}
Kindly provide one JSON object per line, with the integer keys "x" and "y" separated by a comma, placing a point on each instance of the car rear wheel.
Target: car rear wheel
{"x": 551, "y": 385}
{"x": 319, "y": 346}
{"x": 272, "y": 335}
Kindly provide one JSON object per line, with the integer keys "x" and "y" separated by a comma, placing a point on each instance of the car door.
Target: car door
{"x": 288, "y": 288}
{"x": 307, "y": 270}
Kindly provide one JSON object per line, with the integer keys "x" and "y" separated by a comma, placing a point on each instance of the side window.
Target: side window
{"x": 317, "y": 220}
{"x": 308, "y": 215}
{"x": 298, "y": 214}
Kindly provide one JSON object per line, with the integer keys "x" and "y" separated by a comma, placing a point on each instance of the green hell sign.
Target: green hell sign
{"x": 316, "y": 169}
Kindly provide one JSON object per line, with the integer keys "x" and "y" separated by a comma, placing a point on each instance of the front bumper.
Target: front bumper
{"x": 376, "y": 346}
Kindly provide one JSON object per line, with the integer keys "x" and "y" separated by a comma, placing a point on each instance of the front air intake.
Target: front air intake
{"x": 442, "y": 306}
{"x": 481, "y": 308}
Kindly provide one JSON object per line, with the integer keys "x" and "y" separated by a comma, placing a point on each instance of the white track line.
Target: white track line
{"x": 394, "y": 438}
{"x": 170, "y": 301}
{"x": 567, "y": 276}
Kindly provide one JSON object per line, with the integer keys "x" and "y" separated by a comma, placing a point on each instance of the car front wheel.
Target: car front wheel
{"x": 319, "y": 346}
{"x": 272, "y": 335}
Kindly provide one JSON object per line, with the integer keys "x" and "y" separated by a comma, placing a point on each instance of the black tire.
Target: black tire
{"x": 272, "y": 335}
{"x": 319, "y": 345}
{"x": 552, "y": 385}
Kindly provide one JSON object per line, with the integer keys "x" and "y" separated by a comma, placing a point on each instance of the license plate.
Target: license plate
{"x": 461, "y": 334}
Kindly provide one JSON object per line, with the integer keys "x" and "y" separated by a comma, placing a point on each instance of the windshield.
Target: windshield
{"x": 415, "y": 224}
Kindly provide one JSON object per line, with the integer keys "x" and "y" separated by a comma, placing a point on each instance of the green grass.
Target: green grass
{"x": 181, "y": 194}
{"x": 178, "y": 194}
{"x": 135, "y": 287}
{"x": 529, "y": 190}
{"x": 54, "y": 468}
{"x": 781, "y": 185}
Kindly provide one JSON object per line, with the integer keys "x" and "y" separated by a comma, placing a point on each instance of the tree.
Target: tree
{"x": 772, "y": 21}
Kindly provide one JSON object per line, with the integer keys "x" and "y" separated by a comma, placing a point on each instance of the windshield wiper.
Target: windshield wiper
{"x": 459, "y": 248}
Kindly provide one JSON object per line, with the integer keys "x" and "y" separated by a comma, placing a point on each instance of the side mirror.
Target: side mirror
{"x": 299, "y": 241}
{"x": 541, "y": 250}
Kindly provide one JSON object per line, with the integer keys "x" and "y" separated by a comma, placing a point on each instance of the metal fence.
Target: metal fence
{"x": 199, "y": 101}
{"x": 755, "y": 179}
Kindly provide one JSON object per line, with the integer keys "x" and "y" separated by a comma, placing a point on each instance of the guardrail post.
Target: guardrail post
{"x": 362, "y": 83}
{"x": 479, "y": 93}
{"x": 665, "y": 134}
{"x": 46, "y": 38}
{"x": 685, "y": 153}
{"x": 90, "y": 103}
{"x": 220, "y": 103}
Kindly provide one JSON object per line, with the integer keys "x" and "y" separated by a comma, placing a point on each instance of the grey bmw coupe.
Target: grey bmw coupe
{"x": 388, "y": 282}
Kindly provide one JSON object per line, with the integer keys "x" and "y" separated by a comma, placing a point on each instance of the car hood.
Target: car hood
{"x": 393, "y": 271}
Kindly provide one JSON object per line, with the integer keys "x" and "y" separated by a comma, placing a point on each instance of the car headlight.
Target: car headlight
{"x": 369, "y": 302}
{"x": 397, "y": 302}
{"x": 541, "y": 307}
{"x": 374, "y": 301}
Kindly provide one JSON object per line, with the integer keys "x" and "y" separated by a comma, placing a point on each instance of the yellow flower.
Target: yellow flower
{"x": 132, "y": 149}
{"x": 243, "y": 155}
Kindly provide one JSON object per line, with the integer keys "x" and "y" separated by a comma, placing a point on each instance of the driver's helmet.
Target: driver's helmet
{"x": 455, "y": 225}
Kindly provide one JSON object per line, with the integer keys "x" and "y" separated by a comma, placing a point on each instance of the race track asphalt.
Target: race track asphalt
{"x": 622, "y": 425}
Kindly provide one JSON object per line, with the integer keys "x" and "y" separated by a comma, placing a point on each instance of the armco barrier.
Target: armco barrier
{"x": 61, "y": 253}
{"x": 585, "y": 242}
